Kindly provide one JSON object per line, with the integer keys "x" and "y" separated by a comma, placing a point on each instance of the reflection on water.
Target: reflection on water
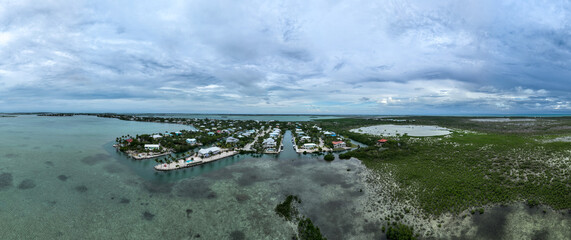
{"x": 60, "y": 178}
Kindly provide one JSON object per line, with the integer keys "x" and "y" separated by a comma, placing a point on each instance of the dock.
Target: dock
{"x": 193, "y": 161}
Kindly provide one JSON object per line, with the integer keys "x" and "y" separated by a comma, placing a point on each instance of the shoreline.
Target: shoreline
{"x": 181, "y": 163}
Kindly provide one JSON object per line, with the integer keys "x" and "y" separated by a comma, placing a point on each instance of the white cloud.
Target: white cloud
{"x": 437, "y": 56}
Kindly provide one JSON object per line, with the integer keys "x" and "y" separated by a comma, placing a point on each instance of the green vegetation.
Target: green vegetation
{"x": 484, "y": 163}
{"x": 307, "y": 231}
{"x": 286, "y": 209}
{"x": 467, "y": 169}
{"x": 400, "y": 232}
{"x": 329, "y": 157}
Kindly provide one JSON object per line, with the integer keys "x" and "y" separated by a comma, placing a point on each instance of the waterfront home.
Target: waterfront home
{"x": 274, "y": 134}
{"x": 210, "y": 133}
{"x": 309, "y": 146}
{"x": 129, "y": 140}
{"x": 157, "y": 136}
{"x": 269, "y": 143}
{"x": 207, "y": 152}
{"x": 380, "y": 142}
{"x": 231, "y": 140}
{"x": 191, "y": 141}
{"x": 152, "y": 146}
{"x": 178, "y": 133}
{"x": 305, "y": 138}
{"x": 339, "y": 144}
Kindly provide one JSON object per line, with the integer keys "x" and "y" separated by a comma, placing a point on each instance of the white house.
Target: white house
{"x": 207, "y": 152}
{"x": 309, "y": 146}
{"x": 152, "y": 146}
{"x": 269, "y": 143}
{"x": 274, "y": 134}
{"x": 339, "y": 144}
{"x": 231, "y": 140}
{"x": 305, "y": 138}
{"x": 191, "y": 141}
{"x": 157, "y": 136}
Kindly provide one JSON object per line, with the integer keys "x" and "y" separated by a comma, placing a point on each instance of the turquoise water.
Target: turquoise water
{"x": 60, "y": 178}
{"x": 293, "y": 118}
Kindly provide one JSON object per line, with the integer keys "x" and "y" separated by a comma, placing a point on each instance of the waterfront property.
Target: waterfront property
{"x": 380, "y": 142}
{"x": 207, "y": 152}
{"x": 152, "y": 146}
{"x": 269, "y": 143}
{"x": 309, "y": 146}
{"x": 191, "y": 141}
{"x": 339, "y": 144}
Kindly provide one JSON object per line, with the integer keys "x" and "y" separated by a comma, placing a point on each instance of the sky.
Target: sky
{"x": 311, "y": 57}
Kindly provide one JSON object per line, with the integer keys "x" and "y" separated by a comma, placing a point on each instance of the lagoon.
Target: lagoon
{"x": 411, "y": 130}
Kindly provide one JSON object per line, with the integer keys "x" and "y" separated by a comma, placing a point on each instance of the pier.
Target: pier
{"x": 193, "y": 161}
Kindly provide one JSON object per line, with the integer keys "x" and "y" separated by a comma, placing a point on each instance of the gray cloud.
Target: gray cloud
{"x": 392, "y": 57}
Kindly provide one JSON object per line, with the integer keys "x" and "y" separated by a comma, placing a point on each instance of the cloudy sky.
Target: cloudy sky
{"x": 324, "y": 57}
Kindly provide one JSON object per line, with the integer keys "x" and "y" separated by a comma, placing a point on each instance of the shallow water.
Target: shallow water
{"x": 60, "y": 178}
{"x": 63, "y": 179}
{"x": 285, "y": 118}
{"x": 503, "y": 120}
{"x": 411, "y": 130}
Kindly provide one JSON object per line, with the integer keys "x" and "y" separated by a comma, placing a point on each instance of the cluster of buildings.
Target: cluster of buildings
{"x": 270, "y": 144}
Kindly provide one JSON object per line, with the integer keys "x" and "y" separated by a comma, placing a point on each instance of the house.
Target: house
{"x": 305, "y": 138}
{"x": 231, "y": 140}
{"x": 274, "y": 134}
{"x": 309, "y": 146}
{"x": 380, "y": 142}
{"x": 152, "y": 146}
{"x": 207, "y": 152}
{"x": 191, "y": 141}
{"x": 269, "y": 143}
{"x": 157, "y": 136}
{"x": 129, "y": 140}
{"x": 210, "y": 133}
{"x": 178, "y": 133}
{"x": 339, "y": 144}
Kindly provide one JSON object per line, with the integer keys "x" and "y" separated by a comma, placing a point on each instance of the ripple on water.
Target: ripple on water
{"x": 97, "y": 158}
{"x": 114, "y": 168}
{"x": 195, "y": 188}
{"x": 27, "y": 184}
{"x": 81, "y": 188}
{"x": 148, "y": 216}
{"x": 492, "y": 223}
{"x": 237, "y": 235}
{"x": 157, "y": 187}
{"x": 6, "y": 180}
